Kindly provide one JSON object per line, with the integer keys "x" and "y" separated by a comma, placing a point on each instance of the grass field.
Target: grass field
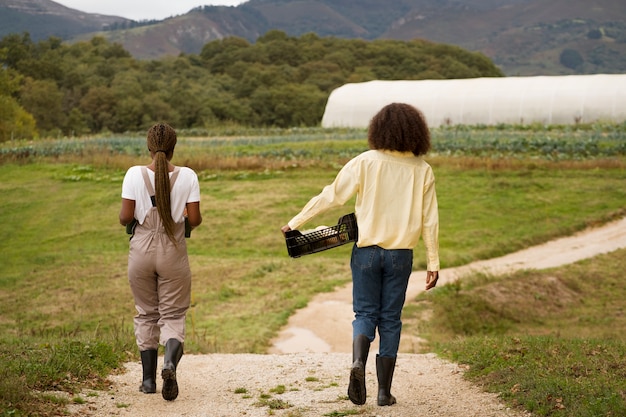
{"x": 66, "y": 309}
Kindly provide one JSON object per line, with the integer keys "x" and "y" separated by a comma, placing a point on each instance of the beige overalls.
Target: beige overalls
{"x": 159, "y": 277}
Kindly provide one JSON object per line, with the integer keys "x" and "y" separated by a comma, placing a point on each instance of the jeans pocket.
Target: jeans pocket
{"x": 402, "y": 260}
{"x": 363, "y": 258}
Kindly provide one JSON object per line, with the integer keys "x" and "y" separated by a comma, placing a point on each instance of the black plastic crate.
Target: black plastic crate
{"x": 299, "y": 244}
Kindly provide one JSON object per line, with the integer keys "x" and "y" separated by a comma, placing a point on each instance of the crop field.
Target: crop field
{"x": 521, "y": 142}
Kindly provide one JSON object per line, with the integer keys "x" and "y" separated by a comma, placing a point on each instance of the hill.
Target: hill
{"x": 523, "y": 37}
{"x": 45, "y": 18}
{"x": 529, "y": 37}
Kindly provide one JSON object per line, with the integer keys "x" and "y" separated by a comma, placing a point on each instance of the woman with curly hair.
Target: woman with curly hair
{"x": 395, "y": 204}
{"x": 158, "y": 199}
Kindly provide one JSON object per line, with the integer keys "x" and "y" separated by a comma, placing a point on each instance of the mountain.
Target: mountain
{"x": 45, "y": 18}
{"x": 528, "y": 37}
{"x": 523, "y": 37}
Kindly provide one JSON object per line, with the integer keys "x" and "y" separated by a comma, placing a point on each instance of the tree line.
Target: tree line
{"x": 52, "y": 88}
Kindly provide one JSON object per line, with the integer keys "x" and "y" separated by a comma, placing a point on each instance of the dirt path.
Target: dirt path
{"x": 310, "y": 358}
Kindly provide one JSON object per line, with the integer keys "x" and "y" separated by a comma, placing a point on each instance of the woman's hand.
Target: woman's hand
{"x": 431, "y": 279}
{"x": 285, "y": 229}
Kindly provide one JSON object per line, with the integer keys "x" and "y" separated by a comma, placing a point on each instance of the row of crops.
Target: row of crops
{"x": 553, "y": 143}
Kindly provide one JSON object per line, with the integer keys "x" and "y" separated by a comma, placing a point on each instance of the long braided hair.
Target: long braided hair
{"x": 161, "y": 141}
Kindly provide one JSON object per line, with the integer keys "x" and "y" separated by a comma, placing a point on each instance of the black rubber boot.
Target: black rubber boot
{"x": 356, "y": 388}
{"x": 384, "y": 371}
{"x": 173, "y": 353}
{"x": 149, "y": 365}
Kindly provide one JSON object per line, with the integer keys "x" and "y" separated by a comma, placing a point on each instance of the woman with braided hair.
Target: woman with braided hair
{"x": 158, "y": 199}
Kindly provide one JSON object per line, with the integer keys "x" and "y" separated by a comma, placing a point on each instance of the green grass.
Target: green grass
{"x": 548, "y": 375}
{"x": 348, "y": 412}
{"x": 552, "y": 341}
{"x": 65, "y": 306}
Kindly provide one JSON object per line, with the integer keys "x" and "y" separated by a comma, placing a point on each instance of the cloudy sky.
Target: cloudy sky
{"x": 143, "y": 9}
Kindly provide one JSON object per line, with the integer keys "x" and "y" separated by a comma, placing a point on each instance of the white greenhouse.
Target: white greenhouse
{"x": 486, "y": 101}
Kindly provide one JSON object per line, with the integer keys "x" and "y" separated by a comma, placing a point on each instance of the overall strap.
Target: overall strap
{"x": 146, "y": 180}
{"x": 173, "y": 177}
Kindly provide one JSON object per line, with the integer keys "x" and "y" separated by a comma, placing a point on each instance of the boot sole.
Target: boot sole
{"x": 170, "y": 386}
{"x": 356, "y": 388}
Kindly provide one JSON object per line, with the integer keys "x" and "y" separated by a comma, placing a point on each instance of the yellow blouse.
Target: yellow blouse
{"x": 396, "y": 202}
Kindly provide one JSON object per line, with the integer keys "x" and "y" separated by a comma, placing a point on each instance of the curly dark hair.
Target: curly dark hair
{"x": 399, "y": 127}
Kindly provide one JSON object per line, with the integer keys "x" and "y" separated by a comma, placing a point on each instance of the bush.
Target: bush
{"x": 571, "y": 58}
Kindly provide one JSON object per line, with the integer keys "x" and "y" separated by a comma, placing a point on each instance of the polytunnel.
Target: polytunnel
{"x": 547, "y": 100}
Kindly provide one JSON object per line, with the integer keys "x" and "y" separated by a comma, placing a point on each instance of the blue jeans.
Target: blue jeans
{"x": 379, "y": 281}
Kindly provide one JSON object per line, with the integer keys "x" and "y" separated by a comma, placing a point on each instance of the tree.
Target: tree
{"x": 220, "y": 54}
{"x": 273, "y": 35}
{"x": 76, "y": 124}
{"x": 17, "y": 49}
{"x": 9, "y": 82}
{"x": 571, "y": 59}
{"x": 15, "y": 122}
{"x": 290, "y": 105}
{"x": 594, "y": 34}
{"x": 155, "y": 108}
{"x": 98, "y": 106}
{"x": 323, "y": 74}
{"x": 44, "y": 101}
{"x": 278, "y": 81}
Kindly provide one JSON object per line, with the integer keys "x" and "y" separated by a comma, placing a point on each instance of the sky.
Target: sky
{"x": 143, "y": 9}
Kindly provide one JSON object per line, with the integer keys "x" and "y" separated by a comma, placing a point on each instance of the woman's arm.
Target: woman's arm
{"x": 193, "y": 214}
{"x": 127, "y": 212}
{"x": 430, "y": 225}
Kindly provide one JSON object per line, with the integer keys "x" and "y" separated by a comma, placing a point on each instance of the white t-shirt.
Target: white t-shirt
{"x": 186, "y": 190}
